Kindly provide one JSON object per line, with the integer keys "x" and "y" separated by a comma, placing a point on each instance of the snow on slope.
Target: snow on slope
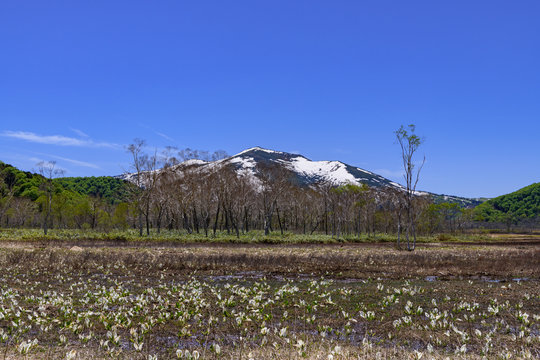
{"x": 193, "y": 162}
{"x": 334, "y": 172}
{"x": 246, "y": 165}
{"x": 306, "y": 171}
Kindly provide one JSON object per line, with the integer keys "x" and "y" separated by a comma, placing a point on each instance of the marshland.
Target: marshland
{"x": 94, "y": 299}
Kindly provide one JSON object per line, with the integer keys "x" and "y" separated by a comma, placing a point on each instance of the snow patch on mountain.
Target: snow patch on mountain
{"x": 334, "y": 172}
{"x": 367, "y": 172}
{"x": 244, "y": 162}
{"x": 246, "y": 165}
{"x": 193, "y": 162}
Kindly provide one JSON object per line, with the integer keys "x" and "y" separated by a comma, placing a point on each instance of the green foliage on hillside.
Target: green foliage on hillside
{"x": 17, "y": 183}
{"x": 524, "y": 203}
{"x": 25, "y": 184}
{"x": 28, "y": 199}
{"x": 110, "y": 189}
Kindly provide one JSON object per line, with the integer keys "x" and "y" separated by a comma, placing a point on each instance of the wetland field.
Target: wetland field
{"x": 94, "y": 300}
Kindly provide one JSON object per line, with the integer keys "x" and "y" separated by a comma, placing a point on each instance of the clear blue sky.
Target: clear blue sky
{"x": 331, "y": 80}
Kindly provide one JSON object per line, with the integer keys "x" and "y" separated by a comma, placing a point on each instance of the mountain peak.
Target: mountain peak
{"x": 258, "y": 148}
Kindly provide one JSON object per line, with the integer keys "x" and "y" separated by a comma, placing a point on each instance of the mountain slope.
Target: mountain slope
{"x": 523, "y": 203}
{"x": 306, "y": 171}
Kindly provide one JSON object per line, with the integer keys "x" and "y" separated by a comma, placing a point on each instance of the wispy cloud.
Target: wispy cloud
{"x": 76, "y": 162}
{"x": 79, "y": 132}
{"x": 59, "y": 140}
{"x": 164, "y": 136}
{"x": 158, "y": 133}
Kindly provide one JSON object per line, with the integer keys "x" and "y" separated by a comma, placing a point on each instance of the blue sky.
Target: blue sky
{"x": 331, "y": 80}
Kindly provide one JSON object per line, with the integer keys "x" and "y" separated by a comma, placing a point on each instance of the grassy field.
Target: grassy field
{"x": 81, "y": 299}
{"x": 251, "y": 237}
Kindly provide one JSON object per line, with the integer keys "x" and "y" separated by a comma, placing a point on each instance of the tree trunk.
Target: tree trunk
{"x": 246, "y": 220}
{"x": 399, "y": 231}
{"x": 268, "y": 220}
{"x": 325, "y": 218}
{"x": 316, "y": 226}
{"x": 226, "y": 213}
{"x": 217, "y": 218}
{"x": 187, "y": 225}
{"x": 206, "y": 223}
{"x": 234, "y": 225}
{"x": 140, "y": 223}
{"x": 414, "y": 237}
{"x": 279, "y": 221}
{"x": 195, "y": 220}
{"x": 409, "y": 227}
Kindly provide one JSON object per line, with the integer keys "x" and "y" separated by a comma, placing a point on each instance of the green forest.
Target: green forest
{"x": 521, "y": 204}
{"x": 74, "y": 202}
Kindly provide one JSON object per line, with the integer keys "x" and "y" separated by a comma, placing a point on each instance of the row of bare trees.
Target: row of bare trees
{"x": 208, "y": 199}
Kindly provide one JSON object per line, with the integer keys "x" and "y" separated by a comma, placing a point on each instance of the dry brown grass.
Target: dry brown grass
{"x": 339, "y": 260}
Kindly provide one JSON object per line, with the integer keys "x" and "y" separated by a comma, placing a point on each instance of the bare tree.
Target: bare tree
{"x": 145, "y": 176}
{"x": 151, "y": 177}
{"x": 275, "y": 182}
{"x": 409, "y": 143}
{"x": 22, "y": 209}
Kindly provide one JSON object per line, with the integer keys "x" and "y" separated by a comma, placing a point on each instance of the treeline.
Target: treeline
{"x": 183, "y": 197}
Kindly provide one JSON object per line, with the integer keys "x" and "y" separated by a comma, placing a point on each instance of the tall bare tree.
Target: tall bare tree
{"x": 409, "y": 143}
{"x": 274, "y": 184}
{"x": 140, "y": 176}
{"x": 395, "y": 203}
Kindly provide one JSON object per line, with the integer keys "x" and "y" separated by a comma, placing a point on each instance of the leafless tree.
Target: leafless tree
{"x": 409, "y": 143}
{"x": 145, "y": 176}
{"x": 21, "y": 211}
{"x": 274, "y": 184}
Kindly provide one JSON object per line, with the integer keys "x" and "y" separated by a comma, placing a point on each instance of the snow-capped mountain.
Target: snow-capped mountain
{"x": 304, "y": 171}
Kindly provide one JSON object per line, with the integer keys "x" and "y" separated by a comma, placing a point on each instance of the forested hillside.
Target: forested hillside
{"x": 29, "y": 199}
{"x": 26, "y": 184}
{"x": 521, "y": 204}
{"x": 17, "y": 183}
{"x": 111, "y": 189}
